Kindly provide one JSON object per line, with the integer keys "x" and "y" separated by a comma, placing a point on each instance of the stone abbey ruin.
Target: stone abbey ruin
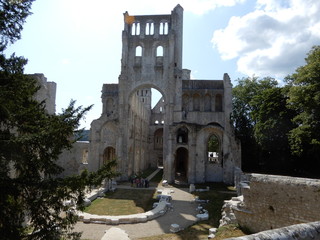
{"x": 188, "y": 131}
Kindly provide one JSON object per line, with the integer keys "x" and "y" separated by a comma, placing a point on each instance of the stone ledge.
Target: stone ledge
{"x": 158, "y": 211}
{"x": 304, "y": 231}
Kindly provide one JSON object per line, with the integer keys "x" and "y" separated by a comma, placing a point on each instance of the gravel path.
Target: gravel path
{"x": 183, "y": 213}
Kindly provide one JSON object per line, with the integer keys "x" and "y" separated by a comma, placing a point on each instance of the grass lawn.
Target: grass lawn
{"x": 199, "y": 231}
{"x": 127, "y": 201}
{"x": 122, "y": 202}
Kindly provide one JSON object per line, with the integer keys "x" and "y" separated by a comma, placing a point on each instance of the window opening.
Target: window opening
{"x": 138, "y": 51}
{"x": 159, "y": 51}
{"x": 85, "y": 154}
{"x": 149, "y": 28}
{"x": 164, "y": 28}
{"x": 109, "y": 155}
{"x": 213, "y": 149}
{"x": 182, "y": 135}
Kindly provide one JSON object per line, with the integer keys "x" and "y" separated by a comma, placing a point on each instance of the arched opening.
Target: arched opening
{"x": 159, "y": 51}
{"x": 135, "y": 30}
{"x": 164, "y": 28}
{"x": 213, "y": 149}
{"x": 182, "y": 135}
{"x": 147, "y": 114}
{"x": 149, "y": 28}
{"x": 109, "y": 154}
{"x": 181, "y": 164}
{"x": 138, "y": 51}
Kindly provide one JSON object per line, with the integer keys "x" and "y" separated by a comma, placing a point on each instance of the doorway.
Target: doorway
{"x": 181, "y": 165}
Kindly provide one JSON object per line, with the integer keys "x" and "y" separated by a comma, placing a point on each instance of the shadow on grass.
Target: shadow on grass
{"x": 122, "y": 202}
{"x": 200, "y": 230}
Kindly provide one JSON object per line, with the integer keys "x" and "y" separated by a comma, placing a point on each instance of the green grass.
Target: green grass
{"x": 158, "y": 177}
{"x": 127, "y": 201}
{"x": 200, "y": 230}
{"x": 122, "y": 202}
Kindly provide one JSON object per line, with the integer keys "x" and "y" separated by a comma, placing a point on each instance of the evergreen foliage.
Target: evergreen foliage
{"x": 32, "y": 193}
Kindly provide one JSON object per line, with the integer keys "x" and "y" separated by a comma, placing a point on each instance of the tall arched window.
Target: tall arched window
{"x": 138, "y": 51}
{"x": 135, "y": 30}
{"x": 109, "y": 155}
{"x": 218, "y": 103}
{"x": 164, "y": 28}
{"x": 182, "y": 135}
{"x": 159, "y": 51}
{"x": 149, "y": 28}
{"x": 213, "y": 149}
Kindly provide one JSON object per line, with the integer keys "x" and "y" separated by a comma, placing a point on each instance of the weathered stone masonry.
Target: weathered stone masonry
{"x": 271, "y": 202}
{"x": 175, "y": 133}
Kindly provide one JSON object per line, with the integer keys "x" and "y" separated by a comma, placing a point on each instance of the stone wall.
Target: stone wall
{"x": 47, "y": 92}
{"x": 305, "y": 231}
{"x": 74, "y": 160}
{"x": 271, "y": 202}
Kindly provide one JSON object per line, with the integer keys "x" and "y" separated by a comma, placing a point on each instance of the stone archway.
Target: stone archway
{"x": 109, "y": 154}
{"x": 181, "y": 164}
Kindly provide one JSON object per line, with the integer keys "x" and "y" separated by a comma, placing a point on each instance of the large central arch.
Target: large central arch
{"x": 143, "y": 138}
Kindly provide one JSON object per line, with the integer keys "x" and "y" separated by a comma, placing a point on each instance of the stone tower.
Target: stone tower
{"x": 151, "y": 58}
{"x": 188, "y": 131}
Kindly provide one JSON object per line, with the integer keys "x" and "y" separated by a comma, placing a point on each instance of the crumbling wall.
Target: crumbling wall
{"x": 271, "y": 202}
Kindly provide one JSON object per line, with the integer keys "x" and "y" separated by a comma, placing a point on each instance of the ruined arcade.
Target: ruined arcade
{"x": 188, "y": 131}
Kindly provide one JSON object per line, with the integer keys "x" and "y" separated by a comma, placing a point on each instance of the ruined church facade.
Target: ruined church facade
{"x": 188, "y": 131}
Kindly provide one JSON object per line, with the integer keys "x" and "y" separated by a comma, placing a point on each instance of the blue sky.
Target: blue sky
{"x": 77, "y": 43}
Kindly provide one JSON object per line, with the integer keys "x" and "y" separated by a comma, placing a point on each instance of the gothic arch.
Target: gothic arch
{"x": 109, "y": 154}
{"x": 146, "y": 85}
{"x": 181, "y": 164}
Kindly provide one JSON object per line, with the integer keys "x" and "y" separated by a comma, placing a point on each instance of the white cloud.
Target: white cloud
{"x": 273, "y": 39}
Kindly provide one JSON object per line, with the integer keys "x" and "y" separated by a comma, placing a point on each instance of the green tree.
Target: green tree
{"x": 272, "y": 124}
{"x": 305, "y": 99}
{"x": 13, "y": 14}
{"x": 244, "y": 123}
{"x": 262, "y": 122}
{"x": 30, "y": 143}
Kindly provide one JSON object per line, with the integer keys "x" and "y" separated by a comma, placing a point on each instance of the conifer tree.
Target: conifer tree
{"x": 31, "y": 193}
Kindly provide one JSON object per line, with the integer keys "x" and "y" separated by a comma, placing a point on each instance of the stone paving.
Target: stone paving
{"x": 183, "y": 213}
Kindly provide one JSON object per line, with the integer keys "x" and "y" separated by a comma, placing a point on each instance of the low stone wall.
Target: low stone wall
{"x": 305, "y": 231}
{"x": 122, "y": 219}
{"x": 159, "y": 210}
{"x": 271, "y": 202}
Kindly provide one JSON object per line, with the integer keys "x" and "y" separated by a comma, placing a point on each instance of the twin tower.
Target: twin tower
{"x": 187, "y": 131}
